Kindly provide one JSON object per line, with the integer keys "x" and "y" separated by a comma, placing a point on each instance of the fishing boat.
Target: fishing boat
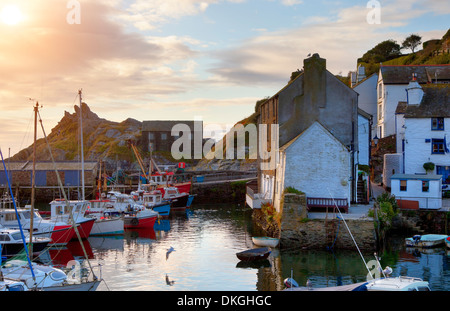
{"x": 426, "y": 240}
{"x": 447, "y": 242}
{"x": 11, "y": 243}
{"x": 108, "y": 225}
{"x": 140, "y": 219}
{"x": 254, "y": 254}
{"x": 152, "y": 199}
{"x": 264, "y": 241}
{"x": 59, "y": 232}
{"x": 180, "y": 201}
{"x": 73, "y": 210}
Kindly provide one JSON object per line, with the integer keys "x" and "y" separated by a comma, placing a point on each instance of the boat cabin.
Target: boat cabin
{"x": 8, "y": 217}
{"x": 60, "y": 210}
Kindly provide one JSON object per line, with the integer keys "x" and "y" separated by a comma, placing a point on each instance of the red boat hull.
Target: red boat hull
{"x": 84, "y": 229}
{"x": 139, "y": 223}
{"x": 61, "y": 235}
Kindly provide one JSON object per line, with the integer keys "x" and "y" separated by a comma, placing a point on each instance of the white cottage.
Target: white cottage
{"x": 422, "y": 191}
{"x": 316, "y": 163}
{"x": 425, "y": 134}
{"x": 392, "y": 84}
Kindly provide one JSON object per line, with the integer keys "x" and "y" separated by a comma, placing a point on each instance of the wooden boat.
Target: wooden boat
{"x": 426, "y": 240}
{"x": 254, "y": 254}
{"x": 264, "y": 241}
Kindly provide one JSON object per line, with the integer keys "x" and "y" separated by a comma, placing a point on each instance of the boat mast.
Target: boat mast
{"x": 82, "y": 151}
{"x": 33, "y": 183}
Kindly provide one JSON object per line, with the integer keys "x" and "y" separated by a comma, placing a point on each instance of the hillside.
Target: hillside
{"x": 103, "y": 140}
{"x": 434, "y": 52}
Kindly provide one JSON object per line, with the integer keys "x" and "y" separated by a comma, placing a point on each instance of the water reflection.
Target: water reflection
{"x": 205, "y": 241}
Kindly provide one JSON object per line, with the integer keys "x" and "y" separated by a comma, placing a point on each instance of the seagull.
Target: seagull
{"x": 169, "y": 282}
{"x": 169, "y": 250}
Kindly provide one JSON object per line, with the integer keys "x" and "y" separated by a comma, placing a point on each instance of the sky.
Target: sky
{"x": 207, "y": 60}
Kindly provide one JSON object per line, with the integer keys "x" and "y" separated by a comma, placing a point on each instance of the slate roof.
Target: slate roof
{"x": 402, "y": 74}
{"x": 435, "y": 103}
{"x": 48, "y": 166}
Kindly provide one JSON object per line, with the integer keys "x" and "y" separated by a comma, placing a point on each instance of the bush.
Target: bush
{"x": 428, "y": 166}
{"x": 293, "y": 190}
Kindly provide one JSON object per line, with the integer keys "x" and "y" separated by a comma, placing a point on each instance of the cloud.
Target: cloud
{"x": 271, "y": 56}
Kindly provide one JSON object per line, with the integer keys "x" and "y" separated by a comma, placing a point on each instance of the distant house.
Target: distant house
{"x": 157, "y": 135}
{"x": 391, "y": 89}
{"x": 20, "y": 173}
{"x": 367, "y": 99}
{"x": 417, "y": 191}
{"x": 317, "y": 116}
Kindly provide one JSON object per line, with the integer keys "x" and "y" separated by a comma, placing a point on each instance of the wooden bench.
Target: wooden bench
{"x": 324, "y": 203}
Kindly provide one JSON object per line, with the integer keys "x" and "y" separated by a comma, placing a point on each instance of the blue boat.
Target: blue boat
{"x": 163, "y": 209}
{"x": 189, "y": 201}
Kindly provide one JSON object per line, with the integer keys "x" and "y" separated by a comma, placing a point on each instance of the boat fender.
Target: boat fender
{"x": 290, "y": 283}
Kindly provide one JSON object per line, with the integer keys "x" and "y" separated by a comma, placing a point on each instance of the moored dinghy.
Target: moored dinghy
{"x": 265, "y": 241}
{"x": 254, "y": 254}
{"x": 426, "y": 240}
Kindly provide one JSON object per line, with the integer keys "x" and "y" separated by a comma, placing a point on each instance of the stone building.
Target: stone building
{"x": 157, "y": 135}
{"x": 313, "y": 109}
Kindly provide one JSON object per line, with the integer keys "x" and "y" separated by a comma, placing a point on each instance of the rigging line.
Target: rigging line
{"x": 27, "y": 131}
{"x": 351, "y": 235}
{"x": 65, "y": 197}
{"x": 18, "y": 220}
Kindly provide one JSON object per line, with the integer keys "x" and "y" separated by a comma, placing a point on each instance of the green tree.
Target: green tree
{"x": 383, "y": 51}
{"x": 412, "y": 42}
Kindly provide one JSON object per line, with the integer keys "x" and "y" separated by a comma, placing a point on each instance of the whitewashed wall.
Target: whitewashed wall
{"x": 417, "y": 151}
{"x": 427, "y": 200}
{"x": 392, "y": 94}
{"x": 318, "y": 164}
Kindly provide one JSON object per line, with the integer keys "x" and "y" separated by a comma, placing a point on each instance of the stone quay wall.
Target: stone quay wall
{"x": 298, "y": 231}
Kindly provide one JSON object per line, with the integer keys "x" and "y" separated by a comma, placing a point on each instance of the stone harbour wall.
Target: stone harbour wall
{"x": 298, "y": 231}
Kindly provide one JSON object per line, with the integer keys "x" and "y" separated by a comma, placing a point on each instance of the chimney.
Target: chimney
{"x": 315, "y": 81}
{"x": 414, "y": 92}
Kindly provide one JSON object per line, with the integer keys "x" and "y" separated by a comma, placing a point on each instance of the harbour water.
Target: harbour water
{"x": 205, "y": 241}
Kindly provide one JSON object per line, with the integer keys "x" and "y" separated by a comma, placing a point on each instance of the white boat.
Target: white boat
{"x": 426, "y": 240}
{"x": 59, "y": 232}
{"x": 46, "y": 278}
{"x": 65, "y": 211}
{"x": 108, "y": 226}
{"x": 11, "y": 243}
{"x": 7, "y": 285}
{"x": 265, "y": 241}
{"x": 400, "y": 283}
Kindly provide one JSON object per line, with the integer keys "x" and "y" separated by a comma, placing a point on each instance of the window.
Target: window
{"x": 425, "y": 186}
{"x": 402, "y": 185}
{"x": 437, "y": 146}
{"x": 437, "y": 124}
{"x": 380, "y": 112}
{"x": 380, "y": 90}
{"x": 151, "y": 136}
{"x": 163, "y": 136}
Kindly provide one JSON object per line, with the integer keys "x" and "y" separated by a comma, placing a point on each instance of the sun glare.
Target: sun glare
{"x": 11, "y": 15}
